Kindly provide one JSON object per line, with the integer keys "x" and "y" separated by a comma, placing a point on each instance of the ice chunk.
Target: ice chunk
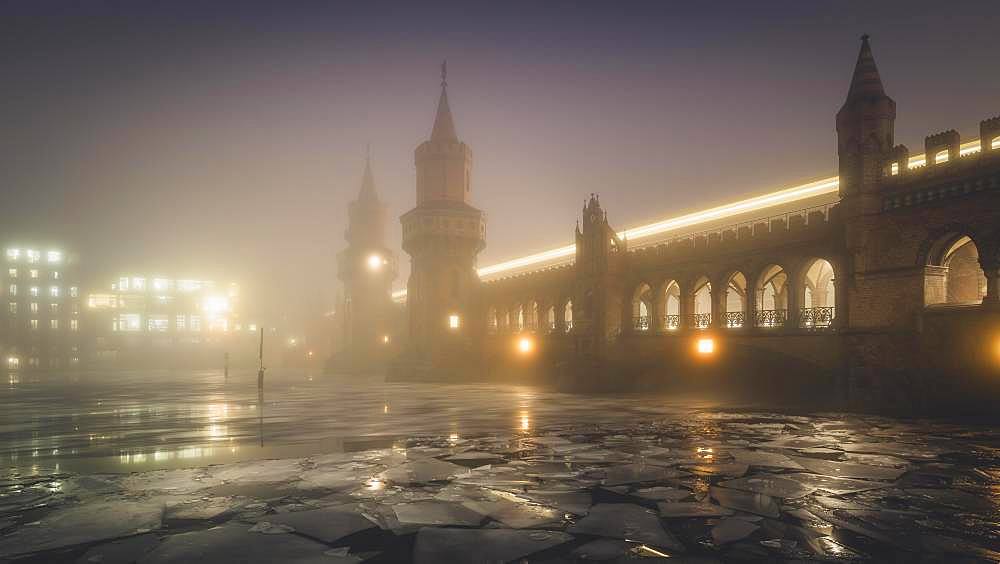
{"x": 200, "y": 509}
{"x": 601, "y": 549}
{"x": 765, "y": 459}
{"x": 436, "y": 513}
{"x": 90, "y": 522}
{"x": 187, "y": 480}
{"x": 732, "y": 530}
{"x": 434, "y": 546}
{"x": 422, "y": 471}
{"x": 575, "y": 502}
{"x": 692, "y": 509}
{"x": 268, "y": 528}
{"x": 283, "y": 470}
{"x": 235, "y": 543}
{"x": 334, "y": 478}
{"x": 326, "y": 525}
{"x": 514, "y": 511}
{"x": 848, "y": 470}
{"x": 953, "y": 498}
{"x": 124, "y": 551}
{"x": 634, "y": 473}
{"x": 836, "y": 486}
{"x": 769, "y": 484}
{"x": 758, "y": 504}
{"x": 662, "y": 493}
{"x": 626, "y": 521}
{"x": 732, "y": 470}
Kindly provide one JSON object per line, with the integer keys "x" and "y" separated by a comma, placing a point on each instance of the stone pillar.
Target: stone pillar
{"x": 795, "y": 293}
{"x": 992, "y": 297}
{"x": 750, "y": 319}
{"x": 686, "y": 306}
{"x": 719, "y": 290}
{"x": 659, "y": 312}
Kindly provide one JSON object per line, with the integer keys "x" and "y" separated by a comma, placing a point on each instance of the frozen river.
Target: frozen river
{"x": 159, "y": 467}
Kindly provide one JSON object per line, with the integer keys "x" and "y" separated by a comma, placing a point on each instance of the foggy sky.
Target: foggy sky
{"x": 225, "y": 141}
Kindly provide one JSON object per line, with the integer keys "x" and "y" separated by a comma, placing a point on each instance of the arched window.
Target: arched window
{"x": 960, "y": 280}
{"x": 520, "y": 318}
{"x": 772, "y": 297}
{"x": 736, "y": 301}
{"x": 492, "y": 320}
{"x": 568, "y": 316}
{"x": 702, "y": 317}
{"x": 550, "y": 319}
{"x": 642, "y": 307}
{"x": 672, "y": 306}
{"x": 533, "y": 316}
{"x": 818, "y": 295}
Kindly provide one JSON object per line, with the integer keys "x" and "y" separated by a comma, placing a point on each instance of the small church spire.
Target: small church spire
{"x": 866, "y": 82}
{"x": 444, "y": 125}
{"x": 368, "y": 193}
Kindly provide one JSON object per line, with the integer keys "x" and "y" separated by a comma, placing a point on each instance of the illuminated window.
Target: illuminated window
{"x": 453, "y": 321}
{"x": 941, "y": 157}
{"x": 33, "y": 256}
{"x": 253, "y": 327}
{"x": 13, "y": 363}
{"x": 157, "y": 323}
{"x": 33, "y": 307}
{"x": 33, "y": 324}
{"x": 12, "y": 272}
{"x": 53, "y": 257}
{"x": 123, "y": 284}
{"x": 53, "y": 324}
{"x": 33, "y": 291}
{"x": 129, "y": 322}
{"x": 894, "y": 169}
{"x": 161, "y": 284}
{"x": 74, "y": 324}
{"x": 12, "y": 290}
{"x": 179, "y": 322}
{"x": 55, "y": 275}
{"x": 139, "y": 284}
{"x": 74, "y": 292}
{"x": 74, "y": 360}
{"x": 54, "y": 291}
{"x": 196, "y": 323}
{"x": 13, "y": 254}
{"x": 995, "y": 144}
{"x": 33, "y": 273}
{"x": 53, "y": 308}
{"x": 188, "y": 285}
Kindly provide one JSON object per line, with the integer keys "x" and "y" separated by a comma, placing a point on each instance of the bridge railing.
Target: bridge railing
{"x": 641, "y": 323}
{"x": 700, "y": 320}
{"x": 771, "y": 318}
{"x": 733, "y": 319}
{"x": 671, "y": 322}
{"x": 816, "y": 317}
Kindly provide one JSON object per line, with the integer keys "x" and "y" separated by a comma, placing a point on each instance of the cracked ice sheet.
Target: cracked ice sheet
{"x": 692, "y": 509}
{"x": 435, "y": 512}
{"x": 267, "y": 471}
{"x": 423, "y": 471}
{"x": 636, "y": 473}
{"x": 326, "y": 525}
{"x": 86, "y": 523}
{"x": 732, "y": 530}
{"x": 848, "y": 470}
{"x": 434, "y": 546}
{"x": 774, "y": 486}
{"x": 628, "y": 522}
{"x": 836, "y": 486}
{"x": 186, "y": 480}
{"x": 514, "y": 511}
{"x": 234, "y": 543}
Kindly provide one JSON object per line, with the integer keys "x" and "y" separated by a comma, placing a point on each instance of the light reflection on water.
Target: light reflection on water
{"x": 141, "y": 420}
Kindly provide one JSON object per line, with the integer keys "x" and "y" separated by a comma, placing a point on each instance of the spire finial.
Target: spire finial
{"x": 444, "y": 125}
{"x": 444, "y": 73}
{"x": 865, "y": 37}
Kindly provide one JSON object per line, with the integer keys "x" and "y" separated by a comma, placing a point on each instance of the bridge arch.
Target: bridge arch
{"x": 642, "y": 307}
{"x": 567, "y": 315}
{"x": 669, "y": 296}
{"x": 954, "y": 273}
{"x": 771, "y": 293}
{"x": 817, "y": 293}
{"x": 531, "y": 316}
{"x": 736, "y": 301}
{"x": 492, "y": 320}
{"x": 701, "y": 303}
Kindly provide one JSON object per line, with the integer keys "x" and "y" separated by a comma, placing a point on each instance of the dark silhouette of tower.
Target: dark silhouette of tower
{"x": 367, "y": 268}
{"x": 443, "y": 234}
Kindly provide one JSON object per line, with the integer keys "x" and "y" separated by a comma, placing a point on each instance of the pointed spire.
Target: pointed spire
{"x": 368, "y": 193}
{"x": 866, "y": 82}
{"x": 444, "y": 125}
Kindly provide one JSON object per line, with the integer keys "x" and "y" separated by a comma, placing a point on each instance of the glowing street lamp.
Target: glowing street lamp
{"x": 525, "y": 345}
{"x": 706, "y": 346}
{"x": 375, "y": 262}
{"x": 453, "y": 321}
{"x": 385, "y": 339}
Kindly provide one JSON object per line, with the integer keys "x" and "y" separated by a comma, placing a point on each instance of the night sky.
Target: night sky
{"x": 224, "y": 139}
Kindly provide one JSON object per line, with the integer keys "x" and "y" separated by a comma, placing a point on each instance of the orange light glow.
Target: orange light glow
{"x": 525, "y": 345}
{"x": 706, "y": 346}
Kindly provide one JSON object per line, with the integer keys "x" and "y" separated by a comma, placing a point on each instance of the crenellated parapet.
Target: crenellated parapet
{"x": 989, "y": 135}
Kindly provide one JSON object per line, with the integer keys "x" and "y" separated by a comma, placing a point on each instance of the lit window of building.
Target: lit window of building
{"x": 129, "y": 322}
{"x": 33, "y": 256}
{"x": 13, "y": 363}
{"x": 55, "y": 275}
{"x": 33, "y": 324}
{"x": 74, "y": 324}
{"x": 161, "y": 284}
{"x": 122, "y": 285}
{"x": 12, "y": 290}
{"x": 12, "y": 272}
{"x": 54, "y": 257}
{"x": 453, "y": 321}
{"x": 33, "y": 307}
{"x": 33, "y": 291}
{"x": 196, "y": 323}
{"x": 179, "y": 323}
{"x": 139, "y": 284}
{"x": 53, "y": 324}
{"x": 158, "y": 323}
{"x": 13, "y": 254}
{"x": 188, "y": 285}
{"x": 33, "y": 273}
{"x": 74, "y": 292}
{"x": 53, "y": 308}
{"x": 54, "y": 291}
{"x": 12, "y": 307}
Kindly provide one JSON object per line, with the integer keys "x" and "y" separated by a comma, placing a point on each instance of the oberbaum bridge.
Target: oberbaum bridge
{"x": 878, "y": 286}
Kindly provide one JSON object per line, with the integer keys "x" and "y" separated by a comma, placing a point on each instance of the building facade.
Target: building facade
{"x": 40, "y": 323}
{"x": 367, "y": 268}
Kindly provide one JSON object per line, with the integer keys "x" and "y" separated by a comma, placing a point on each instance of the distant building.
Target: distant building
{"x": 148, "y": 320}
{"x": 40, "y": 323}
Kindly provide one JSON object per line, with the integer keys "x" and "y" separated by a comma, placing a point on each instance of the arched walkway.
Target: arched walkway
{"x": 736, "y": 301}
{"x": 492, "y": 321}
{"x": 672, "y": 306}
{"x": 702, "y": 298}
{"x": 958, "y": 278}
{"x": 819, "y": 296}
{"x": 550, "y": 319}
{"x": 568, "y": 316}
{"x": 642, "y": 307}
{"x": 772, "y": 297}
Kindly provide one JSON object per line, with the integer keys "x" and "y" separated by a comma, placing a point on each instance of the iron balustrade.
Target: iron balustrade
{"x": 733, "y": 319}
{"x": 672, "y": 322}
{"x": 816, "y": 317}
{"x": 771, "y": 317}
{"x": 552, "y": 326}
{"x": 640, "y": 323}
{"x": 700, "y": 320}
{"x": 569, "y": 325}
